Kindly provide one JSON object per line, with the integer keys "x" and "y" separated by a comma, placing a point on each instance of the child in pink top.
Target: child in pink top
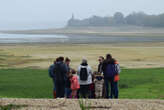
{"x": 74, "y": 84}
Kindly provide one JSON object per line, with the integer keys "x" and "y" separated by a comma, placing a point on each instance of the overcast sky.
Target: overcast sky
{"x": 54, "y": 13}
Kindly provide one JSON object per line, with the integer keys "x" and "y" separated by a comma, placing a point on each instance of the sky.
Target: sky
{"x": 28, "y": 14}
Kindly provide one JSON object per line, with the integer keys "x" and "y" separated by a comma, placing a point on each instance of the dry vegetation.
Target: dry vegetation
{"x": 130, "y": 55}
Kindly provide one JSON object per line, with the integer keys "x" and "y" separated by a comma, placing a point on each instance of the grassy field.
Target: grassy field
{"x": 29, "y": 78}
{"x": 35, "y": 83}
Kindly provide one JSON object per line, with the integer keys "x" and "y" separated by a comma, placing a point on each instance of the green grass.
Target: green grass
{"x": 142, "y": 83}
{"x": 35, "y": 83}
{"x": 11, "y": 107}
{"x": 25, "y": 83}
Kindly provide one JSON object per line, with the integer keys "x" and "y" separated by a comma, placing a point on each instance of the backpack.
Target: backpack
{"x": 83, "y": 74}
{"x": 111, "y": 70}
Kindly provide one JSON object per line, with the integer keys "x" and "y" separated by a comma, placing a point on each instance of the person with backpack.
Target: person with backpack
{"x": 111, "y": 70}
{"x": 60, "y": 71}
{"x": 84, "y": 73}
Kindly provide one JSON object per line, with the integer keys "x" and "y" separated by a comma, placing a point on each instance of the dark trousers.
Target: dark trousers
{"x": 92, "y": 94}
{"x": 113, "y": 88}
{"x": 60, "y": 89}
{"x": 68, "y": 92}
{"x": 84, "y": 91}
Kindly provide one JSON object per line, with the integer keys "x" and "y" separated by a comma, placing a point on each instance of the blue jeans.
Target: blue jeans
{"x": 113, "y": 88}
{"x": 68, "y": 92}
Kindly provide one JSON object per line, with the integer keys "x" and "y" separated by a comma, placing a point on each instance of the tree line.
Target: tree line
{"x": 118, "y": 19}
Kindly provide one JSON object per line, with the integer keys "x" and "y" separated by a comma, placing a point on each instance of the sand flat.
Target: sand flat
{"x": 129, "y": 55}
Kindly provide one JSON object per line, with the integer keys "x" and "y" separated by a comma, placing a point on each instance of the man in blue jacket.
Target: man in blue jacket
{"x": 52, "y": 75}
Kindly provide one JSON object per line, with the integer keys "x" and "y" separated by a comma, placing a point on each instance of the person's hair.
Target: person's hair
{"x": 57, "y": 59}
{"x": 108, "y": 56}
{"x": 110, "y": 59}
{"x": 101, "y": 57}
{"x": 61, "y": 58}
{"x": 73, "y": 71}
{"x": 67, "y": 59}
{"x": 84, "y": 62}
{"x": 54, "y": 61}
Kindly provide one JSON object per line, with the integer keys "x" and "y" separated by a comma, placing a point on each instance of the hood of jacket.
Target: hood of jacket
{"x": 84, "y": 64}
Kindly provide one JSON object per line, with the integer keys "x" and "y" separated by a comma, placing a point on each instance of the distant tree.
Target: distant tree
{"x": 151, "y": 21}
{"x": 111, "y": 21}
{"x": 98, "y": 21}
{"x": 161, "y": 20}
{"x": 138, "y": 19}
{"x": 119, "y": 18}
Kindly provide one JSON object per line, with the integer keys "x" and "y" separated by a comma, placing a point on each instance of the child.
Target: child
{"x": 98, "y": 85}
{"x": 74, "y": 84}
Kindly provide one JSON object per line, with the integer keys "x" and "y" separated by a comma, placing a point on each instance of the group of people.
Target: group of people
{"x": 83, "y": 83}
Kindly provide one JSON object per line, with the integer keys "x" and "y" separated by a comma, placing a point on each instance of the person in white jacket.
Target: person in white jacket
{"x": 84, "y": 73}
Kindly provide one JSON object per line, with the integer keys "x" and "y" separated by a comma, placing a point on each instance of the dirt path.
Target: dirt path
{"x": 68, "y": 104}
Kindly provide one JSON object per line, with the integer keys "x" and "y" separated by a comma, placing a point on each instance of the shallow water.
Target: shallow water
{"x": 24, "y": 38}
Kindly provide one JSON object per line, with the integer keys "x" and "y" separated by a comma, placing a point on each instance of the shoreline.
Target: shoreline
{"x": 94, "y": 31}
{"x": 120, "y": 44}
{"x": 113, "y": 34}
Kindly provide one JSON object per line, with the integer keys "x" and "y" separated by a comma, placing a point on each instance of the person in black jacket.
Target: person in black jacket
{"x": 101, "y": 60}
{"x": 110, "y": 69}
{"x": 60, "y": 71}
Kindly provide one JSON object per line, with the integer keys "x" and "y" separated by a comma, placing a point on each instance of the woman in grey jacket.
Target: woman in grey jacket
{"x": 84, "y": 73}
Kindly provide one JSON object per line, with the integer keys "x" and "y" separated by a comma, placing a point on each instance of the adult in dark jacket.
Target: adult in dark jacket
{"x": 100, "y": 71}
{"x": 111, "y": 69}
{"x": 101, "y": 60}
{"x": 60, "y": 71}
{"x": 52, "y": 75}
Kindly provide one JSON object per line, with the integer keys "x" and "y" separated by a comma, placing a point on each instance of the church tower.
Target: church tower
{"x": 73, "y": 16}
{"x": 71, "y": 21}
